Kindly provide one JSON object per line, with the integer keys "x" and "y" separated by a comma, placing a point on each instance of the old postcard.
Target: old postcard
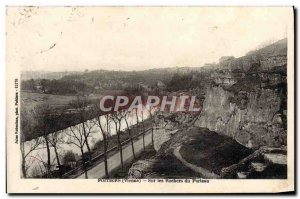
{"x": 150, "y": 99}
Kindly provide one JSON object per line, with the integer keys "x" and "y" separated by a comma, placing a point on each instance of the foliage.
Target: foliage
{"x": 69, "y": 156}
{"x": 56, "y": 86}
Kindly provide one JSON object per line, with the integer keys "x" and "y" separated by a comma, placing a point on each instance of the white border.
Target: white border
{"x": 3, "y": 3}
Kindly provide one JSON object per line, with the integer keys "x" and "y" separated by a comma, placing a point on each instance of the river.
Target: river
{"x": 37, "y": 158}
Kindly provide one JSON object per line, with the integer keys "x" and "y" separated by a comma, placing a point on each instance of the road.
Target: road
{"x": 115, "y": 161}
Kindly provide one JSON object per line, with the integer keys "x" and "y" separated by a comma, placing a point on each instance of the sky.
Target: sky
{"x": 136, "y": 38}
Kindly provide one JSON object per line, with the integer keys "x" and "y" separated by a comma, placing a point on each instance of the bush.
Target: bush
{"x": 69, "y": 156}
{"x": 86, "y": 157}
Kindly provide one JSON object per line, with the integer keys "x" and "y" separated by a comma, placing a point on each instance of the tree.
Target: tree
{"x": 40, "y": 161}
{"x": 151, "y": 111}
{"x": 117, "y": 118}
{"x": 33, "y": 145}
{"x": 125, "y": 116}
{"x": 55, "y": 139}
{"x": 45, "y": 120}
{"x": 80, "y": 104}
{"x": 44, "y": 84}
{"x": 28, "y": 85}
{"x": 76, "y": 137}
{"x": 143, "y": 125}
{"x": 137, "y": 117}
{"x": 104, "y": 132}
{"x": 37, "y": 171}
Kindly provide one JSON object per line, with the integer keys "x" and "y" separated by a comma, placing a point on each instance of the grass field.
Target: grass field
{"x": 212, "y": 151}
{"x": 30, "y": 100}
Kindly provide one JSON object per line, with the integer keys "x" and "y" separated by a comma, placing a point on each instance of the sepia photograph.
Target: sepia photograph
{"x": 150, "y": 99}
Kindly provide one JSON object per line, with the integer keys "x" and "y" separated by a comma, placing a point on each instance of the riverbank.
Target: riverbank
{"x": 97, "y": 151}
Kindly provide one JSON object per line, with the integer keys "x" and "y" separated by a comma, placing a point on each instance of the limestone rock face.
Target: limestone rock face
{"x": 142, "y": 169}
{"x": 280, "y": 159}
{"x": 161, "y": 136}
{"x": 269, "y": 57}
{"x": 255, "y": 122}
{"x": 167, "y": 124}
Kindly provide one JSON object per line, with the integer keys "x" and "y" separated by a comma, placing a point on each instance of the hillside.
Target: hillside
{"x": 244, "y": 112}
{"x": 27, "y": 75}
{"x": 268, "y": 57}
{"x": 276, "y": 49}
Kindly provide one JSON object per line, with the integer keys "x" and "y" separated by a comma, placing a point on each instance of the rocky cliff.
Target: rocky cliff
{"x": 255, "y": 121}
{"x": 244, "y": 111}
{"x": 269, "y": 57}
{"x": 253, "y": 110}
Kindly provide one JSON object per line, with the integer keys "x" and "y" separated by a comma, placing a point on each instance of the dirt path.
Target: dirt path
{"x": 203, "y": 172}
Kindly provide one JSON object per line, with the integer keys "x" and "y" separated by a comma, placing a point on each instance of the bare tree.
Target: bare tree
{"x": 151, "y": 111}
{"x": 105, "y": 141}
{"x": 80, "y": 104}
{"x": 40, "y": 161}
{"x": 125, "y": 116}
{"x": 54, "y": 140}
{"x": 45, "y": 119}
{"x": 77, "y": 138}
{"x": 117, "y": 117}
{"x": 37, "y": 170}
{"x": 34, "y": 144}
{"x": 137, "y": 117}
{"x": 48, "y": 153}
{"x": 143, "y": 125}
{"x": 104, "y": 130}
